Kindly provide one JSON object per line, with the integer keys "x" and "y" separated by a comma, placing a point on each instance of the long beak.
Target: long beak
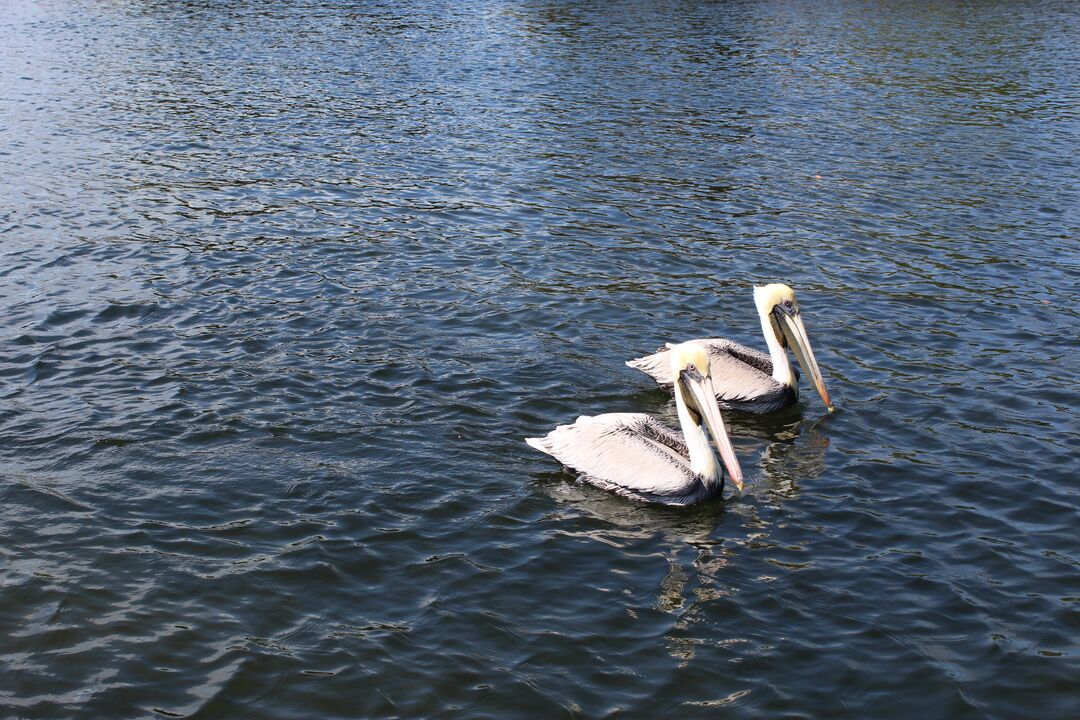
{"x": 705, "y": 398}
{"x": 792, "y": 326}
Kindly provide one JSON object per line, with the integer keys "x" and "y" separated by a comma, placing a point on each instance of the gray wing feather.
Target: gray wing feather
{"x": 629, "y": 453}
{"x": 655, "y": 366}
{"x": 741, "y": 376}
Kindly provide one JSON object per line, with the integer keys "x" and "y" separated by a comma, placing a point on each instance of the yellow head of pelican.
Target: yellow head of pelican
{"x": 778, "y": 308}
{"x": 693, "y": 386}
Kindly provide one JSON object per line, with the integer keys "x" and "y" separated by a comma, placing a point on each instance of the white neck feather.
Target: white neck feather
{"x": 702, "y": 459}
{"x": 782, "y": 371}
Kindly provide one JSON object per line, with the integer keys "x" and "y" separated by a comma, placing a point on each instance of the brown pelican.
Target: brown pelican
{"x": 746, "y": 379}
{"x": 637, "y": 456}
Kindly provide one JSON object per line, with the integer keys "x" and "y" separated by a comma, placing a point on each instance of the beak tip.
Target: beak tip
{"x": 738, "y": 483}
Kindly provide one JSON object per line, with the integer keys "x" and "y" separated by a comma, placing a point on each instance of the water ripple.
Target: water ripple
{"x": 285, "y": 284}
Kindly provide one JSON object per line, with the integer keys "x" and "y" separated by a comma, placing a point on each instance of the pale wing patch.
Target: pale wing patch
{"x": 657, "y": 366}
{"x": 735, "y": 381}
{"x": 628, "y": 450}
{"x": 738, "y": 373}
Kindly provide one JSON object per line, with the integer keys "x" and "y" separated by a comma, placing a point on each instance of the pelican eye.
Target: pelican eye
{"x": 787, "y": 308}
{"x": 690, "y": 372}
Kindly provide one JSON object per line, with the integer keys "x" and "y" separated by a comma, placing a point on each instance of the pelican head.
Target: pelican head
{"x": 690, "y": 368}
{"x": 778, "y": 308}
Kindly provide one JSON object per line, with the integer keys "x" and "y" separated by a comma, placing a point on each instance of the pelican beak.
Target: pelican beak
{"x": 795, "y": 333}
{"x": 701, "y": 389}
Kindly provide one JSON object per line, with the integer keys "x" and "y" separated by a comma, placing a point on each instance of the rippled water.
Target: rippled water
{"x": 285, "y": 284}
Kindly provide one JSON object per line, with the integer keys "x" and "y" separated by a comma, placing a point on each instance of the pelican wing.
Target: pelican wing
{"x": 740, "y": 374}
{"x": 629, "y": 453}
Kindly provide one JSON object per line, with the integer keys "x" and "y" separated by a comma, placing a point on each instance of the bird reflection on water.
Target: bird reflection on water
{"x": 795, "y": 453}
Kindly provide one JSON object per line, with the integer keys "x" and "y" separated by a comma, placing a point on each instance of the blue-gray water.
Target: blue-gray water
{"x": 285, "y": 284}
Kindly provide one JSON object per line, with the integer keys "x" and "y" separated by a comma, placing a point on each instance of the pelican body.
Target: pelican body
{"x": 744, "y": 378}
{"x": 637, "y": 456}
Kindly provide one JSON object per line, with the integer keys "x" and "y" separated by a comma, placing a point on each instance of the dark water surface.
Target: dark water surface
{"x": 285, "y": 284}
